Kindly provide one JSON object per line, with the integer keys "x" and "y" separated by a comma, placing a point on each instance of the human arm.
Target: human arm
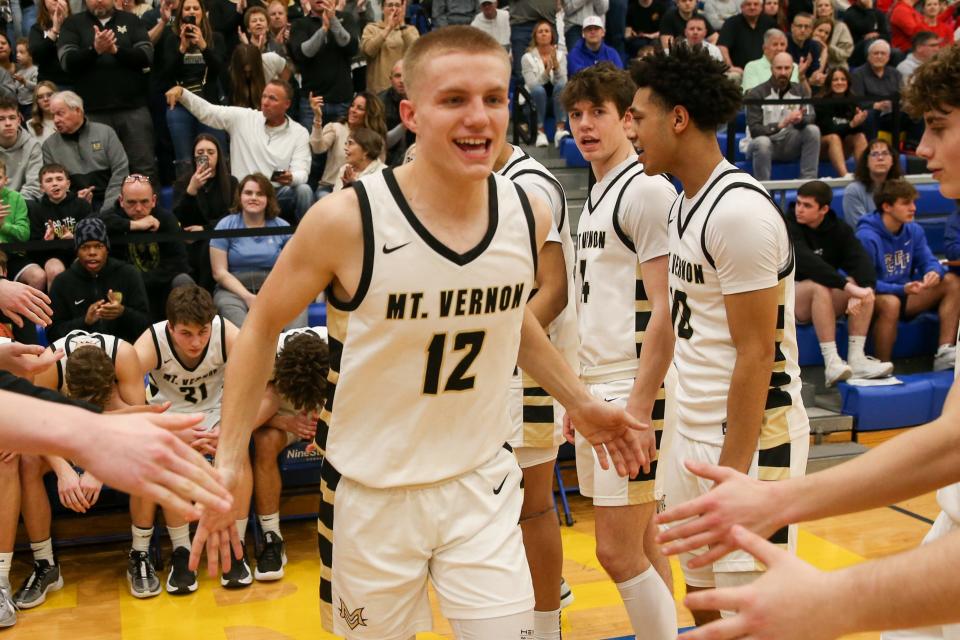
{"x": 29, "y": 361}
{"x": 342, "y": 36}
{"x": 216, "y": 116}
{"x": 223, "y": 277}
{"x": 374, "y": 35}
{"x": 321, "y": 139}
{"x": 874, "y": 249}
{"x": 551, "y": 296}
{"x": 301, "y": 160}
{"x": 923, "y": 259}
{"x": 855, "y": 262}
{"x": 16, "y": 224}
{"x": 75, "y": 52}
{"x": 129, "y": 375}
{"x": 532, "y": 69}
{"x": 755, "y": 117}
{"x": 30, "y": 189}
{"x": 137, "y": 52}
{"x": 725, "y": 52}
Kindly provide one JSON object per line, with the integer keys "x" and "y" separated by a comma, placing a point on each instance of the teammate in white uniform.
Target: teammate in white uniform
{"x": 731, "y": 282}
{"x": 537, "y": 418}
{"x": 427, "y": 303}
{"x": 794, "y": 601}
{"x": 626, "y": 342}
{"x": 100, "y": 369}
{"x": 295, "y": 396}
{"x": 185, "y": 358}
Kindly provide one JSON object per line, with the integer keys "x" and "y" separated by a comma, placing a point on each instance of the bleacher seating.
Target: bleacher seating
{"x": 919, "y": 399}
{"x": 915, "y": 338}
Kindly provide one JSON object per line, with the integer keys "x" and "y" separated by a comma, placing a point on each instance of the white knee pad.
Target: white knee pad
{"x": 519, "y": 626}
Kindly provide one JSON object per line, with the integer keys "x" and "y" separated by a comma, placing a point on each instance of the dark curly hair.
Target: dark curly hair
{"x": 597, "y": 84}
{"x": 936, "y": 84}
{"x": 300, "y": 371}
{"x": 691, "y": 78}
{"x": 90, "y": 375}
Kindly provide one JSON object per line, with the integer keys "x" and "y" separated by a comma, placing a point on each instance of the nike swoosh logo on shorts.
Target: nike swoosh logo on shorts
{"x": 497, "y": 491}
{"x": 387, "y": 249}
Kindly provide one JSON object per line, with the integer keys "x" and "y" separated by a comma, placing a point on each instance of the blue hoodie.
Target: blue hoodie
{"x": 581, "y": 57}
{"x": 898, "y": 259}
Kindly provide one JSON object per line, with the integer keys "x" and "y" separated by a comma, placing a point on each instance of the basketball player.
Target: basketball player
{"x": 295, "y": 396}
{"x": 918, "y": 588}
{"x": 426, "y": 307}
{"x": 185, "y": 357}
{"x": 731, "y": 282}
{"x": 104, "y": 371}
{"x": 537, "y": 418}
{"x": 621, "y": 278}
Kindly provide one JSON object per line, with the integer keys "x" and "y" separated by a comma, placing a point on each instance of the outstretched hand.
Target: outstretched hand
{"x": 614, "y": 434}
{"x": 27, "y": 360}
{"x": 18, "y": 299}
{"x": 217, "y": 533}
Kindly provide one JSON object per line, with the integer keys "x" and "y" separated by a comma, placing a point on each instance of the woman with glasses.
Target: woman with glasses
{"x": 40, "y": 125}
{"x": 385, "y": 42}
{"x": 877, "y": 164}
{"x": 241, "y": 265}
{"x": 363, "y": 151}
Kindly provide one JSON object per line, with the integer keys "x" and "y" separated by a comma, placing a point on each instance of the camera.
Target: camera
{"x": 190, "y": 20}
{"x": 276, "y": 175}
{"x": 203, "y": 159}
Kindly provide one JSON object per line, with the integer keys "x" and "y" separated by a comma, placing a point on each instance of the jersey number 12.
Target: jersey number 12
{"x": 680, "y": 314}
{"x": 472, "y": 341}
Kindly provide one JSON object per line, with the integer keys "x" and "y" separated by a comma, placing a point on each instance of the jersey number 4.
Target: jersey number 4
{"x": 190, "y": 393}
{"x": 680, "y": 313}
{"x": 472, "y": 342}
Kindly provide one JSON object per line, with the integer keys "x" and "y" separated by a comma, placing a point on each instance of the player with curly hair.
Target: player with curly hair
{"x": 295, "y": 396}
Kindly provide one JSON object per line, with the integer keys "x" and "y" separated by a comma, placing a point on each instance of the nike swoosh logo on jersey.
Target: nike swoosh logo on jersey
{"x": 77, "y": 302}
{"x": 387, "y": 249}
{"x": 609, "y": 399}
{"x": 497, "y": 491}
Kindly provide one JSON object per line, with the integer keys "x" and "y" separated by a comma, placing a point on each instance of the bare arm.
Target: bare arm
{"x": 551, "y": 296}
{"x": 221, "y": 273}
{"x": 658, "y": 341}
{"x": 129, "y": 375}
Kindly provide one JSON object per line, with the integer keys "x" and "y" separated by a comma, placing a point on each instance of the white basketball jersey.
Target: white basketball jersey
{"x": 730, "y": 238}
{"x": 80, "y": 338}
{"x": 624, "y": 223}
{"x": 191, "y": 389}
{"x": 421, "y": 357}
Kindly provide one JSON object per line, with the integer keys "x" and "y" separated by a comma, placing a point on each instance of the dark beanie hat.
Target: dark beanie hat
{"x": 90, "y": 230}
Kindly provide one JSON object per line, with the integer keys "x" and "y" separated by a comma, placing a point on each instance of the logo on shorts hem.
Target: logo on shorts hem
{"x": 354, "y": 618}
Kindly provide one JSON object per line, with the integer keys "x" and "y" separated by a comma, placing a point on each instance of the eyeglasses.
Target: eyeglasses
{"x": 136, "y": 177}
{"x": 879, "y": 154}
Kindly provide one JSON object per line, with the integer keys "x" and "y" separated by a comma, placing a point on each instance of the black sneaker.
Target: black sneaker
{"x": 272, "y": 559}
{"x": 239, "y": 575}
{"x": 141, "y": 575}
{"x": 44, "y": 578}
{"x": 181, "y": 581}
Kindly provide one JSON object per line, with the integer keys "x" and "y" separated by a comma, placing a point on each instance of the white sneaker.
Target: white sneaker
{"x": 836, "y": 370}
{"x": 558, "y": 138}
{"x": 566, "y": 595}
{"x": 869, "y": 367}
{"x": 945, "y": 358}
{"x": 542, "y": 139}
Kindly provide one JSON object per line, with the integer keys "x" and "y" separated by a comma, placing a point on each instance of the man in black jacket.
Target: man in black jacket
{"x": 162, "y": 265}
{"x": 835, "y": 276}
{"x": 108, "y": 55}
{"x": 98, "y": 293}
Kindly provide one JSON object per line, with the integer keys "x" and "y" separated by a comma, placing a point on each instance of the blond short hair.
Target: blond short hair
{"x": 453, "y": 39}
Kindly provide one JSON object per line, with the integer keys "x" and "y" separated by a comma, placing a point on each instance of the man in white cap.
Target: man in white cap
{"x": 494, "y": 21}
{"x": 590, "y": 49}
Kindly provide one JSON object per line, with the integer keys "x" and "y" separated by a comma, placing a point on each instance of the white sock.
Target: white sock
{"x": 141, "y": 538}
{"x": 270, "y": 522}
{"x": 649, "y": 606}
{"x": 855, "y": 348}
{"x": 944, "y": 347}
{"x": 546, "y": 625}
{"x": 43, "y": 550}
{"x": 179, "y": 536}
{"x": 6, "y": 559}
{"x": 242, "y": 528}
{"x": 829, "y": 351}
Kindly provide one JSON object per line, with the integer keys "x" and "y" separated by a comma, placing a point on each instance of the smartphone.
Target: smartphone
{"x": 276, "y": 175}
{"x": 203, "y": 159}
{"x": 190, "y": 20}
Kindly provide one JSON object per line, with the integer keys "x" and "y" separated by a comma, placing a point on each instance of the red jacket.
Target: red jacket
{"x": 906, "y": 22}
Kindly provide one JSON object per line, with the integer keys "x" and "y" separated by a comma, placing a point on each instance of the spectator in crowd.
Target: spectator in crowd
{"x": 951, "y": 240}
{"x": 201, "y": 199}
{"x": 262, "y": 141}
{"x": 615, "y": 21}
{"x": 925, "y": 45}
{"x": 157, "y": 20}
{"x": 52, "y": 217}
{"x": 13, "y": 81}
{"x": 675, "y": 19}
{"x": 323, "y": 45}
{"x": 575, "y": 12}
{"x": 162, "y": 265}
{"x": 106, "y": 53}
{"x": 695, "y": 35}
{"x": 41, "y": 124}
{"x": 808, "y": 53}
{"x": 776, "y": 12}
{"x": 90, "y": 151}
{"x": 782, "y": 132}
{"x": 193, "y": 60}
{"x": 241, "y": 265}
{"x": 742, "y": 36}
{"x": 841, "y": 125}
{"x": 758, "y": 71}
{"x": 590, "y": 49}
{"x": 19, "y": 150}
{"x": 834, "y": 278}
{"x": 524, "y": 15}
{"x": 363, "y": 151}
{"x": 366, "y": 110}
{"x": 939, "y": 19}
{"x": 247, "y": 75}
{"x": 26, "y": 77}
{"x": 447, "y": 12}
{"x": 545, "y": 71}
{"x": 840, "y": 43}
{"x": 717, "y": 12}
{"x": 494, "y": 21}
{"x": 906, "y": 22}
{"x": 385, "y": 42}
{"x": 279, "y": 27}
{"x": 43, "y": 38}
{"x": 643, "y": 26}
{"x": 875, "y": 165}
{"x": 256, "y": 28}
{"x": 866, "y": 24}
{"x": 881, "y": 82}
{"x": 14, "y": 223}
{"x": 398, "y": 138}
{"x": 910, "y": 279}
{"x": 97, "y": 292}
